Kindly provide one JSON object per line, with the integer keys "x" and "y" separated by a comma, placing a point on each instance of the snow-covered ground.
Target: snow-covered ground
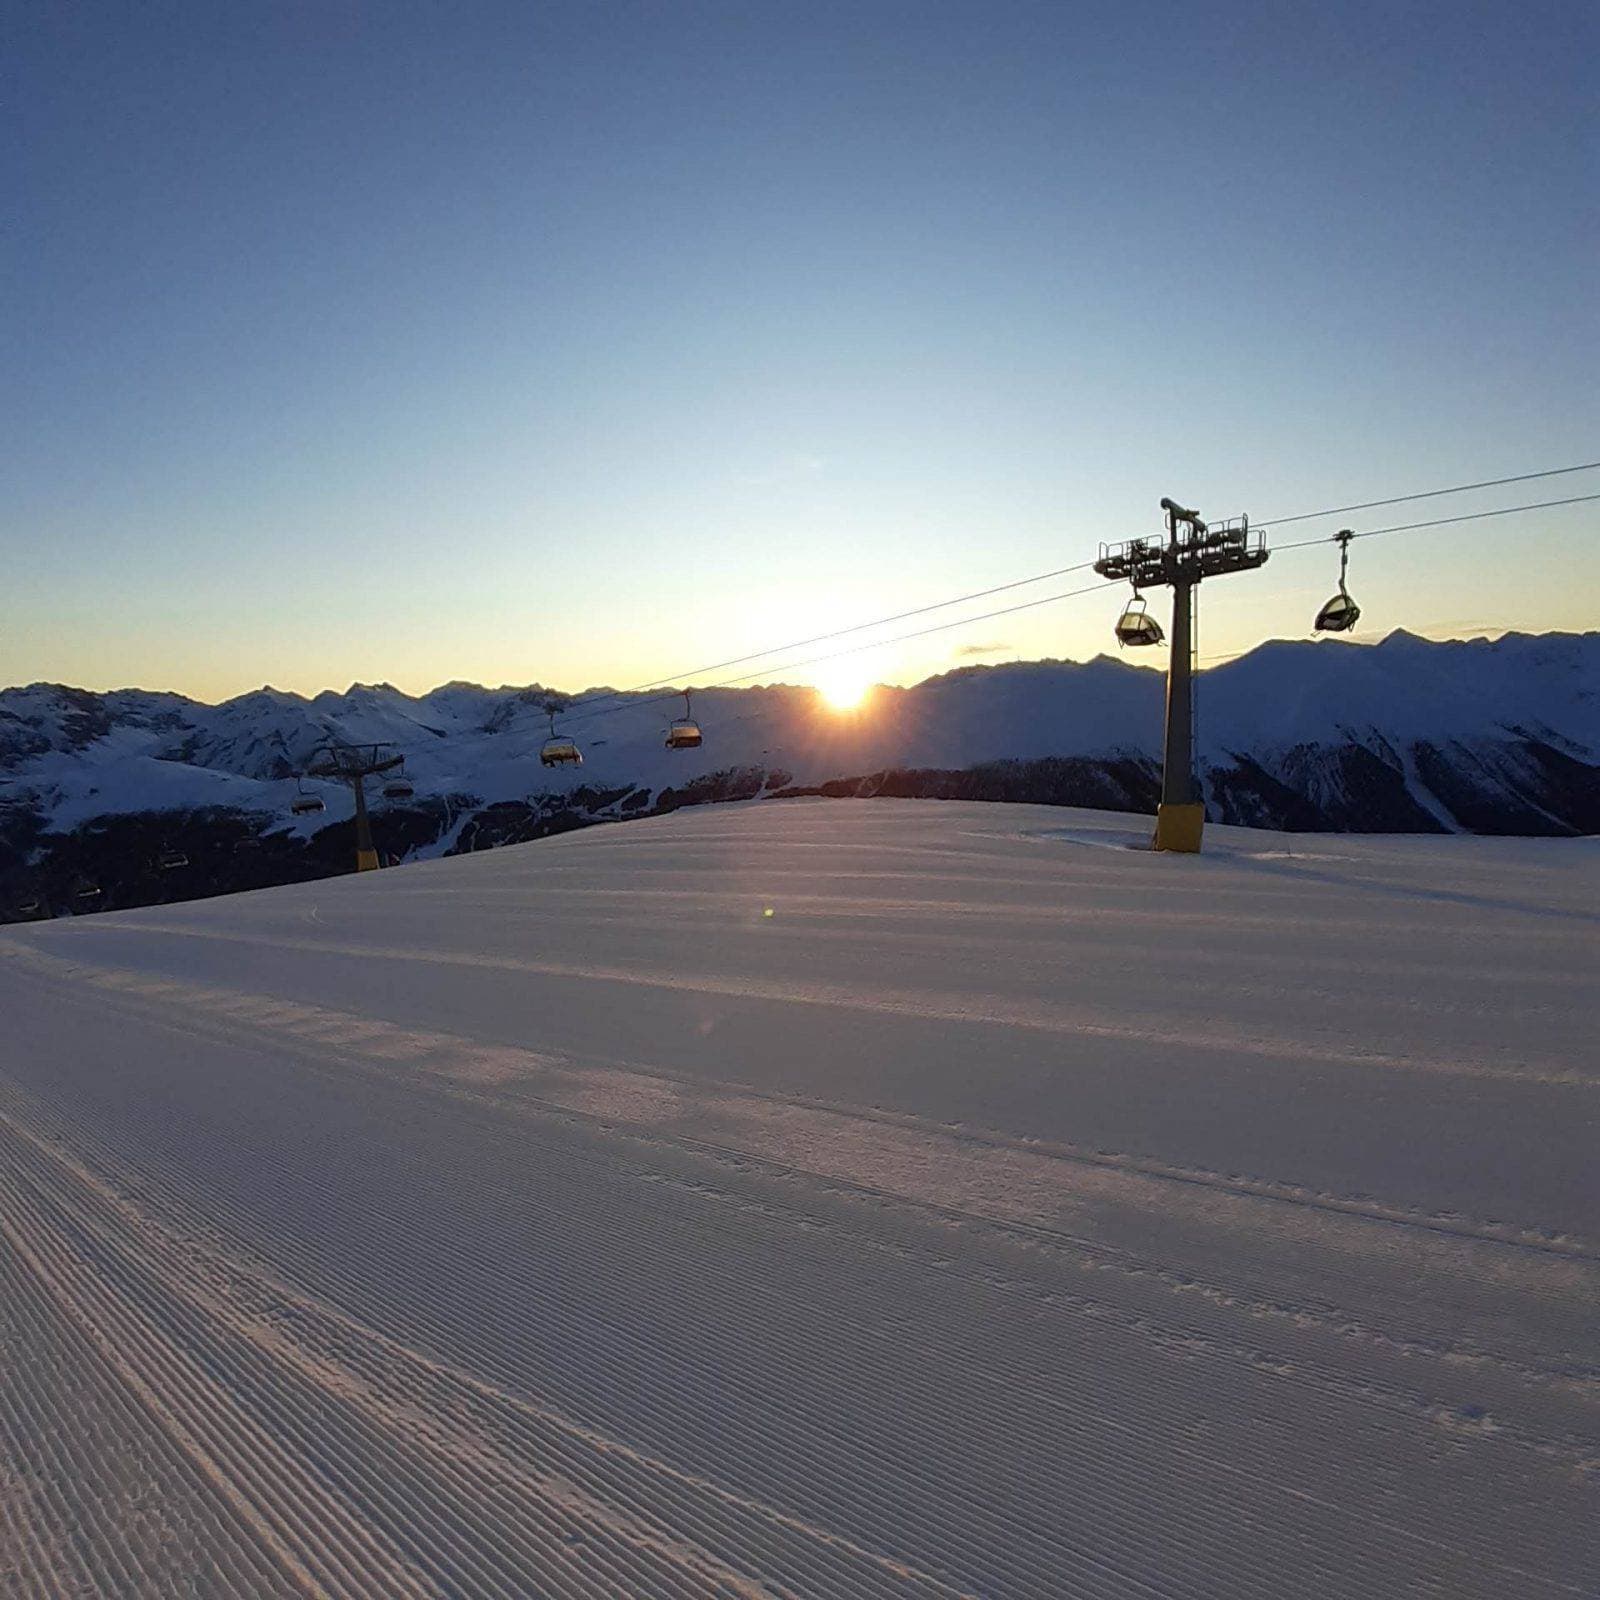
{"x": 824, "y": 1199}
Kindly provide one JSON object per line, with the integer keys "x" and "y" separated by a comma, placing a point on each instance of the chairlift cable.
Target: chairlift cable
{"x": 1438, "y": 522}
{"x": 823, "y": 638}
{"x": 1084, "y": 566}
{"x": 856, "y": 649}
{"x": 1028, "y": 605}
{"x": 919, "y": 633}
{"x": 1425, "y": 494}
{"x": 569, "y": 752}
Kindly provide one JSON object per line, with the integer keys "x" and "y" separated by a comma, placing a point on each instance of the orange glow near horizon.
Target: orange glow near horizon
{"x": 844, "y": 686}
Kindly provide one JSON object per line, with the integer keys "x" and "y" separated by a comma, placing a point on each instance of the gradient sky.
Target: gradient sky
{"x": 586, "y": 343}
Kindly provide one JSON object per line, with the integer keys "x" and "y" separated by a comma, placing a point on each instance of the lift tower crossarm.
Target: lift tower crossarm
{"x": 347, "y": 761}
{"x": 1191, "y": 550}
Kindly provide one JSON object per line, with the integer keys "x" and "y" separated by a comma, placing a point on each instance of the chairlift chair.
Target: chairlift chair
{"x": 86, "y": 891}
{"x": 305, "y": 804}
{"x": 29, "y": 908}
{"x": 398, "y": 787}
{"x": 171, "y": 860}
{"x": 1136, "y": 626}
{"x": 684, "y": 732}
{"x": 559, "y": 750}
{"x": 1341, "y": 613}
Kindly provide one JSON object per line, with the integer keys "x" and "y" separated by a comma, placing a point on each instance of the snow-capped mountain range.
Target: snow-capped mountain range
{"x": 1408, "y": 735}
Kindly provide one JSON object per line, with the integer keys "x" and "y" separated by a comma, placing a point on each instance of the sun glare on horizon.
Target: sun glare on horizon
{"x": 844, "y": 687}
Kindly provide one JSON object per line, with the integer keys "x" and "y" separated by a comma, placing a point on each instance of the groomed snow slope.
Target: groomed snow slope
{"x": 1004, "y": 1214}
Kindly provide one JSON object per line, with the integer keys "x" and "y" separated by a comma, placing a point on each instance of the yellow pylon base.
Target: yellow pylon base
{"x": 1179, "y": 828}
{"x": 367, "y": 860}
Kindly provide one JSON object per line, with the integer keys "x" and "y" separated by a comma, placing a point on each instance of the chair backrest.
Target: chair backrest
{"x": 1339, "y": 615}
{"x": 1136, "y": 626}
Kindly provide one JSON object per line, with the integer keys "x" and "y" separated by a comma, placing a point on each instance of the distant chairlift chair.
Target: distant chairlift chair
{"x": 305, "y": 804}
{"x": 684, "y": 733}
{"x": 399, "y": 787}
{"x": 559, "y": 750}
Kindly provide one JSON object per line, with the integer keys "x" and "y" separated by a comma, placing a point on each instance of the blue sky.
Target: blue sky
{"x": 586, "y": 343}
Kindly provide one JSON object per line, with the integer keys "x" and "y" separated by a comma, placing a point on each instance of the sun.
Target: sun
{"x": 843, "y": 687}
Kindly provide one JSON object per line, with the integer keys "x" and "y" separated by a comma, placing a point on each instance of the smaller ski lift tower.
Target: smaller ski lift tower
{"x": 354, "y": 764}
{"x": 1190, "y": 551}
